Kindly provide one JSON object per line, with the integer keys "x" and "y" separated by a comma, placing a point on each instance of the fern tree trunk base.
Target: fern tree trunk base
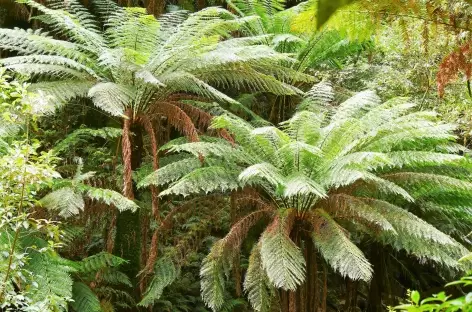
{"x": 376, "y": 285}
{"x": 128, "y": 225}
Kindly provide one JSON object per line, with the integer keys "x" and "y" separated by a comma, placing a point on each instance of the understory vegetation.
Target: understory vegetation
{"x": 235, "y": 155}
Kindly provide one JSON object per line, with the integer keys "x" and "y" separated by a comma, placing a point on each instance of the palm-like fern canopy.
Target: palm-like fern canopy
{"x": 367, "y": 162}
{"x": 127, "y": 59}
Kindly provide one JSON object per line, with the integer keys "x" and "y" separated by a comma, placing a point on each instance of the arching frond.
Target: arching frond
{"x": 111, "y": 97}
{"x": 178, "y": 119}
{"x": 406, "y": 222}
{"x": 82, "y": 136}
{"x": 110, "y": 197}
{"x": 171, "y": 172}
{"x": 67, "y": 201}
{"x": 256, "y": 284}
{"x": 53, "y": 278}
{"x": 265, "y": 171}
{"x": 165, "y": 273}
{"x": 351, "y": 208}
{"x": 58, "y": 93}
{"x": 69, "y": 25}
{"x": 212, "y": 278}
{"x": 282, "y": 260}
{"x": 204, "y": 180}
{"x": 299, "y": 185}
{"x": 97, "y": 262}
{"x": 341, "y": 254}
{"x": 84, "y": 299}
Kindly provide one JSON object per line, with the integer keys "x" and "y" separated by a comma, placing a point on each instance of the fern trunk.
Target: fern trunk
{"x": 312, "y": 278}
{"x": 236, "y": 262}
{"x": 156, "y": 7}
{"x": 324, "y": 299}
{"x": 126, "y": 150}
{"x": 376, "y": 285}
{"x": 128, "y": 225}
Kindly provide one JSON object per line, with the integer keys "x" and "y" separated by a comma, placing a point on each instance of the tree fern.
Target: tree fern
{"x": 365, "y": 166}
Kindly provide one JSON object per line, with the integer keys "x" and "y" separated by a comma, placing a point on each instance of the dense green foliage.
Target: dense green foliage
{"x": 298, "y": 156}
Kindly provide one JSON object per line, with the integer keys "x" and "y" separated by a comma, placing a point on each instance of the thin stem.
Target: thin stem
{"x": 20, "y": 210}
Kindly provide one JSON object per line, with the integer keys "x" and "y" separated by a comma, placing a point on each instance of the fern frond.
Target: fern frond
{"x": 204, "y": 180}
{"x": 98, "y": 262}
{"x": 69, "y": 25}
{"x": 178, "y": 119}
{"x": 355, "y": 106}
{"x": 299, "y": 185}
{"x": 84, "y": 299}
{"x": 406, "y": 222}
{"x": 29, "y": 41}
{"x": 281, "y": 258}
{"x": 112, "y": 276}
{"x": 67, "y": 201}
{"x": 82, "y": 135}
{"x": 111, "y": 97}
{"x": 110, "y": 197}
{"x": 256, "y": 283}
{"x": 45, "y": 60}
{"x": 341, "y": 254}
{"x": 165, "y": 273}
{"x": 212, "y": 278}
{"x": 319, "y": 96}
{"x": 48, "y": 71}
{"x": 58, "y": 93}
{"x": 171, "y": 172}
{"x": 349, "y": 207}
{"x": 52, "y": 276}
{"x": 265, "y": 171}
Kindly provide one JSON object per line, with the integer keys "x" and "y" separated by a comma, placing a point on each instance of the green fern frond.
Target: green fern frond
{"x": 47, "y": 71}
{"x": 299, "y": 185}
{"x": 58, "y": 93}
{"x": 111, "y": 97}
{"x": 112, "y": 276}
{"x": 98, "y": 262}
{"x": 45, "y": 60}
{"x": 265, "y": 171}
{"x": 83, "y": 135}
{"x": 171, "y": 172}
{"x": 256, "y": 283}
{"x": 84, "y": 299}
{"x": 66, "y": 201}
{"x": 53, "y": 278}
{"x": 212, "y": 278}
{"x": 282, "y": 260}
{"x": 29, "y": 41}
{"x": 110, "y": 197}
{"x": 68, "y": 24}
{"x": 165, "y": 273}
{"x": 205, "y": 180}
{"x": 341, "y": 254}
{"x": 406, "y": 222}
{"x": 348, "y": 207}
